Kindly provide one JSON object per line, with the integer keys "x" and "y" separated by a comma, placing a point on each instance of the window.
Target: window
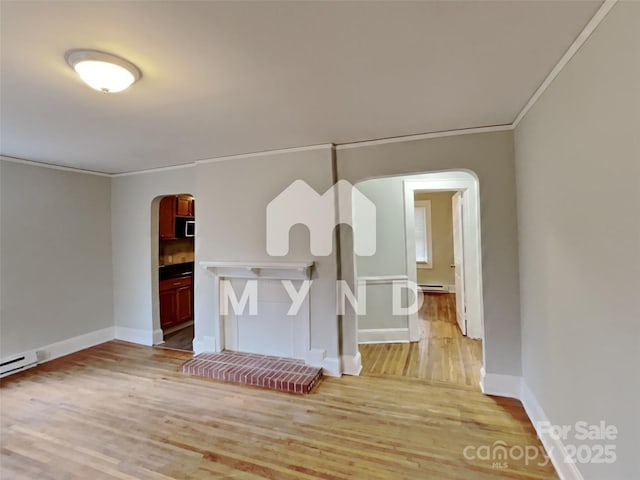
{"x": 422, "y": 223}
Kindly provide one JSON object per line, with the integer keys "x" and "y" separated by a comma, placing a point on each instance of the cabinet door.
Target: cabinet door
{"x": 184, "y": 299}
{"x": 184, "y": 206}
{"x": 168, "y": 308}
{"x": 167, "y": 217}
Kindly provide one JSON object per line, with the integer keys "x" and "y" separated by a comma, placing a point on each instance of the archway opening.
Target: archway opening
{"x": 423, "y": 286}
{"x": 172, "y": 262}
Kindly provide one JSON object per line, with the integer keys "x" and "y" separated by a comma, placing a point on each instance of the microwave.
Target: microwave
{"x": 185, "y": 228}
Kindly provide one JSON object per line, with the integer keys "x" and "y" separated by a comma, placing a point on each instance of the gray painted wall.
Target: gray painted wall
{"x": 490, "y": 156}
{"x": 390, "y": 258}
{"x": 134, "y": 234}
{"x": 578, "y": 174}
{"x": 55, "y": 246}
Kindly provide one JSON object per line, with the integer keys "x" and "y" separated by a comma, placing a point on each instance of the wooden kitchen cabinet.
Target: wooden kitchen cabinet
{"x": 171, "y": 207}
{"x": 167, "y": 218}
{"x": 184, "y": 304}
{"x": 168, "y": 308}
{"x": 176, "y": 301}
{"x": 185, "y": 206}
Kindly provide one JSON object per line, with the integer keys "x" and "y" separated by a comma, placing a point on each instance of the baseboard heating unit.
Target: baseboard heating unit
{"x": 17, "y": 363}
{"x": 434, "y": 288}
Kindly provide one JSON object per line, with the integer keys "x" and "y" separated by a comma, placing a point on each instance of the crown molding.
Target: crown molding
{"x": 566, "y": 58}
{"x": 226, "y": 158}
{"x": 322, "y": 146}
{"x": 154, "y": 170}
{"x": 53, "y": 166}
{"x": 425, "y": 136}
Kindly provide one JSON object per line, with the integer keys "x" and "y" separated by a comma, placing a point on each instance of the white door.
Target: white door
{"x": 458, "y": 261}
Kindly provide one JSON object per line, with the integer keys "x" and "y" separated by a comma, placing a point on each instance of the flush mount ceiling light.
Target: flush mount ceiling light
{"x": 102, "y": 71}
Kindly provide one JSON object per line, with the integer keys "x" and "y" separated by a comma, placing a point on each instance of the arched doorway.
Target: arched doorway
{"x": 173, "y": 255}
{"x": 408, "y": 265}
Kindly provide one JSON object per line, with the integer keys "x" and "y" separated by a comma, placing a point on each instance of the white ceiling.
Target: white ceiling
{"x": 228, "y": 78}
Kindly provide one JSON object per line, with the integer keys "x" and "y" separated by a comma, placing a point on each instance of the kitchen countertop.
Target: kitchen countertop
{"x": 176, "y": 270}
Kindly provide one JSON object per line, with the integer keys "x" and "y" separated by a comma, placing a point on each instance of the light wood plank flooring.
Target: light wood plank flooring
{"x": 123, "y": 411}
{"x": 442, "y": 355}
{"x": 181, "y": 339}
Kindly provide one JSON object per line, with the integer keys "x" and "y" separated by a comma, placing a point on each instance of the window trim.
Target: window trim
{"x": 426, "y": 204}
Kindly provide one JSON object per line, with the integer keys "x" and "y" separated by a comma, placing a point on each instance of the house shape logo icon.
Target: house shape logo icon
{"x": 299, "y": 203}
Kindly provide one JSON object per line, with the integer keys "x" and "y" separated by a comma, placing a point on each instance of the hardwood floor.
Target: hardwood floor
{"x": 442, "y": 355}
{"x": 123, "y": 411}
{"x": 181, "y": 339}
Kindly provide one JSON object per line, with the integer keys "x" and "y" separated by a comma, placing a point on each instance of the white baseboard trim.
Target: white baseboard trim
{"x": 500, "y": 385}
{"x": 554, "y": 447}
{"x": 316, "y": 357}
{"x": 331, "y": 367}
{"x": 74, "y": 344}
{"x": 135, "y": 335}
{"x": 158, "y": 336}
{"x": 204, "y": 344}
{"x": 383, "y": 335}
{"x": 515, "y": 387}
{"x": 352, "y": 364}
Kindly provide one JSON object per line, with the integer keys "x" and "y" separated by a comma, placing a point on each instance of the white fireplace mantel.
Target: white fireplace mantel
{"x": 260, "y": 270}
{"x": 272, "y": 329}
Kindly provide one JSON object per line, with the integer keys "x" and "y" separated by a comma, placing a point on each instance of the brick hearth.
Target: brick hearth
{"x": 274, "y": 373}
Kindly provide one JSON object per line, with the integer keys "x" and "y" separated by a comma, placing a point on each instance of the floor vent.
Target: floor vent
{"x": 17, "y": 363}
{"x": 434, "y": 288}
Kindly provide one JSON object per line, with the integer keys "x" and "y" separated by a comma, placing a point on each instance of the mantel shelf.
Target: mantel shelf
{"x": 265, "y": 270}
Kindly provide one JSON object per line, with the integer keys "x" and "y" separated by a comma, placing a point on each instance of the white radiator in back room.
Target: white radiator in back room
{"x": 434, "y": 288}
{"x": 17, "y": 363}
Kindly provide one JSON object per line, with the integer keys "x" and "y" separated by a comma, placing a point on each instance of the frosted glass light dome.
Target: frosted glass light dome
{"x": 102, "y": 71}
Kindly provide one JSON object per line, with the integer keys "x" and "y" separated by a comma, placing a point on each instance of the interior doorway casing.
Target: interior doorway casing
{"x": 158, "y": 335}
{"x": 467, "y": 183}
{"x": 448, "y": 180}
